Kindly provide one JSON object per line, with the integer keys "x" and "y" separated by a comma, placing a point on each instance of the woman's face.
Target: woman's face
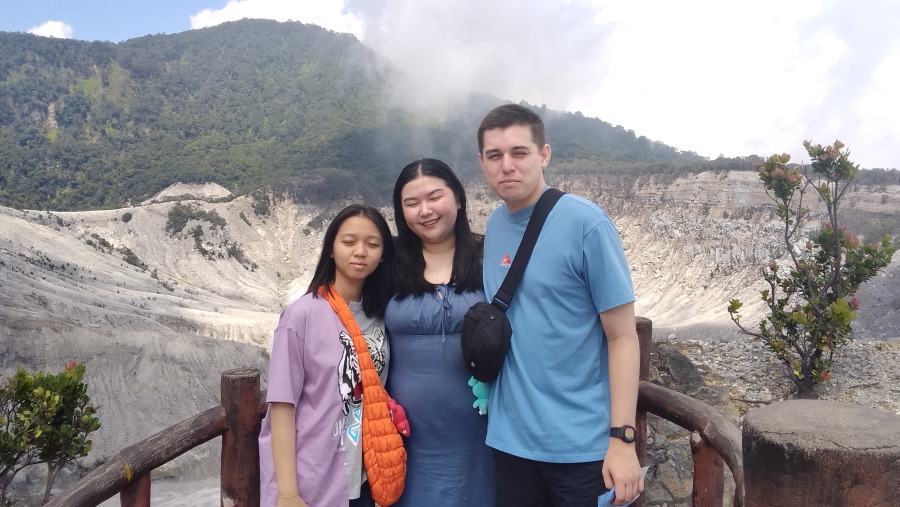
{"x": 358, "y": 248}
{"x": 430, "y": 208}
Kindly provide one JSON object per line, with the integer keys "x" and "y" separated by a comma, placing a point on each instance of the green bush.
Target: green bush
{"x": 811, "y": 294}
{"x": 261, "y": 204}
{"x": 131, "y": 258}
{"x": 180, "y": 215}
{"x": 44, "y": 419}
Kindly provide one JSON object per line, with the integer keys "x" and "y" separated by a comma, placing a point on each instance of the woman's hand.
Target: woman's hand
{"x": 291, "y": 501}
{"x": 284, "y": 455}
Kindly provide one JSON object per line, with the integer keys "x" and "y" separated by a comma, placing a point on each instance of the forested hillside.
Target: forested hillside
{"x": 247, "y": 105}
{"x": 251, "y": 105}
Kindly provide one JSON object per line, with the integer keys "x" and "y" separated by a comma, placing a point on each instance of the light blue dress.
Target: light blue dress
{"x": 448, "y": 463}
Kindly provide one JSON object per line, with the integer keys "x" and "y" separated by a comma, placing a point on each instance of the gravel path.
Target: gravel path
{"x": 865, "y": 372}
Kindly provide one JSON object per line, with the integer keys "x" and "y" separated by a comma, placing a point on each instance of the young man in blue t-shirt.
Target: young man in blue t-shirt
{"x": 562, "y": 409}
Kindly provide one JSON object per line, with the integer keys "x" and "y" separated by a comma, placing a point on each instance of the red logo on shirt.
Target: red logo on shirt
{"x": 506, "y": 262}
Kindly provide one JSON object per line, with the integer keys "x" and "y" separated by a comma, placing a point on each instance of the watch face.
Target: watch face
{"x": 626, "y": 433}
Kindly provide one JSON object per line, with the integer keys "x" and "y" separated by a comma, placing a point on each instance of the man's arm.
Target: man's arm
{"x": 621, "y": 467}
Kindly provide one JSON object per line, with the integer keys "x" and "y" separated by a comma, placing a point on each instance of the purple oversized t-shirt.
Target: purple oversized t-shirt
{"x": 310, "y": 368}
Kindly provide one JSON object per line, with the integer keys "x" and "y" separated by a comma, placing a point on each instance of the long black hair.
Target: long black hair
{"x": 377, "y": 287}
{"x": 409, "y": 268}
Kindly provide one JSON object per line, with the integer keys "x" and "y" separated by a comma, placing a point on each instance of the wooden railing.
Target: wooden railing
{"x": 714, "y": 440}
{"x": 237, "y": 421}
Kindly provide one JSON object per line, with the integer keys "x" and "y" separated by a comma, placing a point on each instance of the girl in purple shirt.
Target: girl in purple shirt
{"x": 310, "y": 443}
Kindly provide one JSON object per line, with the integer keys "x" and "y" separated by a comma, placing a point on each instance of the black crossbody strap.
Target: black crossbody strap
{"x": 505, "y": 294}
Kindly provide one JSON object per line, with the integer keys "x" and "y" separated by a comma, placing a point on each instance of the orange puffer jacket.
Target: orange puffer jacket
{"x": 383, "y": 454}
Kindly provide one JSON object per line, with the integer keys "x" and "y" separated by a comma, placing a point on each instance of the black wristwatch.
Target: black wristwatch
{"x": 625, "y": 433}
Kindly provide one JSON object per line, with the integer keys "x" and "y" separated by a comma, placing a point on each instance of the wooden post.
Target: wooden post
{"x": 136, "y": 493}
{"x": 645, "y": 337}
{"x": 709, "y": 474}
{"x": 240, "y": 447}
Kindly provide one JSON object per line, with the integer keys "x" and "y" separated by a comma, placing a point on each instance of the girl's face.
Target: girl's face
{"x": 357, "y": 250}
{"x": 430, "y": 208}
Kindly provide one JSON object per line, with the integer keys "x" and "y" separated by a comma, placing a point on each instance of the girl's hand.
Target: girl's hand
{"x": 294, "y": 501}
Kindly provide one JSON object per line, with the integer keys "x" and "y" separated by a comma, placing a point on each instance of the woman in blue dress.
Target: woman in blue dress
{"x": 438, "y": 277}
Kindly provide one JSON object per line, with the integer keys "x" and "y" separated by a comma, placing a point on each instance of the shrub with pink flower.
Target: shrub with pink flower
{"x": 812, "y": 304}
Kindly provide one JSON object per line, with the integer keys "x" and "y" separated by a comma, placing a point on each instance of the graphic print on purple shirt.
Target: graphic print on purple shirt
{"x": 349, "y": 380}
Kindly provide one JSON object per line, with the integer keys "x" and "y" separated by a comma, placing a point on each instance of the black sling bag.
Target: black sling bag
{"x": 486, "y": 330}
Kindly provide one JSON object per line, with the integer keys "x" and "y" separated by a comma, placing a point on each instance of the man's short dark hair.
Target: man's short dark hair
{"x": 508, "y": 115}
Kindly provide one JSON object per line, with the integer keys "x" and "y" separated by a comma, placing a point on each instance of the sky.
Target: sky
{"x": 708, "y": 76}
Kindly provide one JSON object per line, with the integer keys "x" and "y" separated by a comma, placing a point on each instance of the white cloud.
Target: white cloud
{"x": 326, "y": 13}
{"x": 541, "y": 52}
{"x": 714, "y": 77}
{"x": 52, "y": 28}
{"x": 706, "y": 76}
{"x": 876, "y": 111}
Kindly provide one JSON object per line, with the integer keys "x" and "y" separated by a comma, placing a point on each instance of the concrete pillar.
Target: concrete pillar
{"x": 820, "y": 453}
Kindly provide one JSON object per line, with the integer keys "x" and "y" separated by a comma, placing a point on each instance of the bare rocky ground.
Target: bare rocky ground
{"x": 156, "y": 336}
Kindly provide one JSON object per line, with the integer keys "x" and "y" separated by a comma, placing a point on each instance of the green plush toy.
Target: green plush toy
{"x": 482, "y": 392}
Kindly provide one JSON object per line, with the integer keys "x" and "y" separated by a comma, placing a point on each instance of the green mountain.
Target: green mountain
{"x": 249, "y": 105}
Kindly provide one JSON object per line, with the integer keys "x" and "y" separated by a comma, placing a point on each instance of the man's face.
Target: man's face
{"x": 514, "y": 166}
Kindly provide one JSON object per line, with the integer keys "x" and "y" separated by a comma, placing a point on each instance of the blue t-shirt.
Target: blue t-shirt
{"x": 551, "y": 400}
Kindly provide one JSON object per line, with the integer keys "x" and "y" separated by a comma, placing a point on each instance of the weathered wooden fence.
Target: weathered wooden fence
{"x": 715, "y": 440}
{"x": 237, "y": 421}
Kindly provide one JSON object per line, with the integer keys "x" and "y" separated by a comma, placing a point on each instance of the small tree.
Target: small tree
{"x": 75, "y": 418}
{"x": 26, "y": 408}
{"x": 810, "y": 296}
{"x": 44, "y": 419}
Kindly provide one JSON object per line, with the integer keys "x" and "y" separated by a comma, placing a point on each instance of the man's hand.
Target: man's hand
{"x": 622, "y": 470}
